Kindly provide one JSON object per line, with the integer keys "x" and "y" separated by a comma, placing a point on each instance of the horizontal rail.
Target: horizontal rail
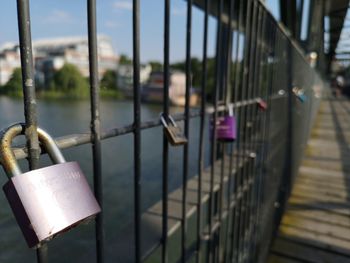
{"x": 72, "y": 140}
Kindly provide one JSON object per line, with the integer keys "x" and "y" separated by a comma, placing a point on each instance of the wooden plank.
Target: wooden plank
{"x": 317, "y": 227}
{"x": 312, "y": 198}
{"x": 330, "y": 185}
{"x": 323, "y": 182}
{"x": 307, "y": 203}
{"x": 320, "y": 216}
{"x": 306, "y": 253}
{"x": 274, "y": 258}
{"x": 327, "y": 241}
{"x": 314, "y": 190}
{"x": 324, "y": 173}
{"x": 330, "y": 165}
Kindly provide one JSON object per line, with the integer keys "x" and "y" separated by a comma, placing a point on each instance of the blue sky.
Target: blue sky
{"x": 68, "y": 18}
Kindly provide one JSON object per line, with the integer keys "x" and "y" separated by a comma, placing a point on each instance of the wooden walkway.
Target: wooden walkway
{"x": 316, "y": 225}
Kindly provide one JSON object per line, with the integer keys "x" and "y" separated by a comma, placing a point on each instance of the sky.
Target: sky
{"x": 68, "y": 18}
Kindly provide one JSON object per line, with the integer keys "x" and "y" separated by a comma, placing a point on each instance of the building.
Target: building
{"x": 125, "y": 77}
{"x": 9, "y": 60}
{"x": 51, "y": 54}
{"x": 154, "y": 89}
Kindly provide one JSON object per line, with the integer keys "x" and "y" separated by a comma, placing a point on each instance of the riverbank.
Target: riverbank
{"x": 53, "y": 94}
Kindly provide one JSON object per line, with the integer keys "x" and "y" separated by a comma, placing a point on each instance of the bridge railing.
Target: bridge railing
{"x": 248, "y": 181}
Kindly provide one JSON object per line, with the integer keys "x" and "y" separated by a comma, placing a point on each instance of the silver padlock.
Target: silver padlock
{"x": 46, "y": 201}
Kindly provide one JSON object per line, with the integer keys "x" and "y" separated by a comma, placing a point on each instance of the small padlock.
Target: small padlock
{"x": 173, "y": 132}
{"x": 261, "y": 104}
{"x": 302, "y": 97}
{"x": 226, "y": 127}
{"x": 46, "y": 201}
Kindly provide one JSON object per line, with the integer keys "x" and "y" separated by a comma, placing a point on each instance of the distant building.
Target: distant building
{"x": 9, "y": 60}
{"x": 154, "y": 90}
{"x": 125, "y": 77}
{"x": 51, "y": 54}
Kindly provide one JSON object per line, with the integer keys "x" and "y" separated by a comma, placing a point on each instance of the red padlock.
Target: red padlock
{"x": 262, "y": 104}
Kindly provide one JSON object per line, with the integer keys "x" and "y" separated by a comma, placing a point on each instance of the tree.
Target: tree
{"x": 196, "y": 69}
{"x": 14, "y": 85}
{"x": 69, "y": 79}
{"x": 109, "y": 80}
{"x": 124, "y": 60}
{"x": 156, "y": 66}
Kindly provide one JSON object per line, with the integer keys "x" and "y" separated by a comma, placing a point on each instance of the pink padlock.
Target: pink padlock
{"x": 48, "y": 201}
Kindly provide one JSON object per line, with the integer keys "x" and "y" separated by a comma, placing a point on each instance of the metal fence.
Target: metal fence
{"x": 236, "y": 215}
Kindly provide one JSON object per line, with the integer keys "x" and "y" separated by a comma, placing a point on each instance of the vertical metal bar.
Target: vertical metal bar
{"x": 165, "y": 141}
{"x": 228, "y": 99}
{"x": 237, "y": 97}
{"x": 266, "y": 128}
{"x": 265, "y": 122}
{"x": 242, "y": 125}
{"x": 232, "y": 194}
{"x": 248, "y": 127}
{"x": 261, "y": 57}
{"x": 29, "y": 97}
{"x": 221, "y": 147}
{"x": 229, "y": 36}
{"x": 255, "y": 132}
{"x": 95, "y": 124}
{"x": 187, "y": 130}
{"x": 214, "y": 142}
{"x": 201, "y": 132}
{"x": 137, "y": 129}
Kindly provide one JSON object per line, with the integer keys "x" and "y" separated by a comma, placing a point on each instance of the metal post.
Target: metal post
{"x": 165, "y": 140}
{"x": 29, "y": 97}
{"x": 95, "y": 125}
{"x": 201, "y": 132}
{"x": 137, "y": 129}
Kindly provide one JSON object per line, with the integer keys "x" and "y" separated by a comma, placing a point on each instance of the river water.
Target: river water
{"x": 62, "y": 117}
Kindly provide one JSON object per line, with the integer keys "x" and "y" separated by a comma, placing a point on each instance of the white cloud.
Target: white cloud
{"x": 123, "y": 5}
{"x": 59, "y": 16}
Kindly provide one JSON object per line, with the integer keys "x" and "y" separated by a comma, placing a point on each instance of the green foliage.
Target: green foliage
{"x": 14, "y": 86}
{"x": 108, "y": 85}
{"x": 156, "y": 66}
{"x": 111, "y": 94}
{"x": 70, "y": 81}
{"x": 109, "y": 80}
{"x": 124, "y": 60}
{"x": 196, "y": 69}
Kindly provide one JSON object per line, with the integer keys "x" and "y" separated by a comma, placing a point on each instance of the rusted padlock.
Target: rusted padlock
{"x": 173, "y": 132}
{"x": 46, "y": 201}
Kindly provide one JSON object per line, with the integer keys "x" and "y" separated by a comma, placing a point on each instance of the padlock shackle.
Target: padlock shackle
{"x": 173, "y": 122}
{"x": 50, "y": 147}
{"x": 164, "y": 121}
{"x": 7, "y": 156}
{"x": 230, "y": 109}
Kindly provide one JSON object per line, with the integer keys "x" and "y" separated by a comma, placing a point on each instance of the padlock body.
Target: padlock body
{"x": 302, "y": 97}
{"x": 175, "y": 135}
{"x": 50, "y": 200}
{"x": 262, "y": 105}
{"x": 226, "y": 128}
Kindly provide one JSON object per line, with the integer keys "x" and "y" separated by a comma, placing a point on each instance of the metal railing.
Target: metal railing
{"x": 255, "y": 60}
